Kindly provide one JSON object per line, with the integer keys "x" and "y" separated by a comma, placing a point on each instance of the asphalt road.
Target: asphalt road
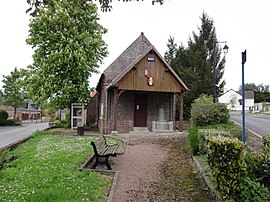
{"x": 11, "y": 134}
{"x": 259, "y": 123}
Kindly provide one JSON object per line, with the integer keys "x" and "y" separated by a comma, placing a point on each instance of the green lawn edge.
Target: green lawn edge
{"x": 46, "y": 169}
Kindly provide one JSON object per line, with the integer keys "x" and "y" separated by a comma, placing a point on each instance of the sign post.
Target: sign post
{"x": 244, "y": 58}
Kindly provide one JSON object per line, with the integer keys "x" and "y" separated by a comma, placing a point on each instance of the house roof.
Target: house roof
{"x": 30, "y": 107}
{"x": 131, "y": 56}
{"x": 248, "y": 94}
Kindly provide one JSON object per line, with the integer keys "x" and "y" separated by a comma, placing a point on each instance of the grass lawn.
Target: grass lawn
{"x": 46, "y": 169}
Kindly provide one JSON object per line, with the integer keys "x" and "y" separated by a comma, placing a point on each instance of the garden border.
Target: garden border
{"x": 206, "y": 179}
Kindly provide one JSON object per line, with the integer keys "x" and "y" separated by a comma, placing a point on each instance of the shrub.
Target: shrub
{"x": 266, "y": 141}
{"x": 196, "y": 136}
{"x": 204, "y": 99}
{"x": 233, "y": 169}
{"x": 9, "y": 122}
{"x": 57, "y": 123}
{"x": 251, "y": 190}
{"x": 193, "y": 140}
{"x": 209, "y": 114}
{"x": 259, "y": 164}
{"x": 262, "y": 166}
{"x": 62, "y": 123}
{"x": 68, "y": 120}
{"x": 3, "y": 114}
{"x": 234, "y": 129}
{"x": 252, "y": 161}
{"x": 203, "y": 133}
{"x": 226, "y": 160}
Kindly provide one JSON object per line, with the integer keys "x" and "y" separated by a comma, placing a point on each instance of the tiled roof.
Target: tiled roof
{"x": 249, "y": 94}
{"x": 139, "y": 46}
{"x": 30, "y": 107}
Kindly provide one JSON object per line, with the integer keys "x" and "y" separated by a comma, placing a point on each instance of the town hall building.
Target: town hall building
{"x": 139, "y": 90}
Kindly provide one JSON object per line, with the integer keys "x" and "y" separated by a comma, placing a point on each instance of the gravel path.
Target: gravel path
{"x": 157, "y": 167}
{"x": 138, "y": 169}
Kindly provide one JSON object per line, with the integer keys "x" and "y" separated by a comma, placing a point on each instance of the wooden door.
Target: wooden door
{"x": 140, "y": 110}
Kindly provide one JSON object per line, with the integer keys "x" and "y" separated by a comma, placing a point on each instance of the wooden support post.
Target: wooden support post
{"x": 115, "y": 101}
{"x": 181, "y": 110}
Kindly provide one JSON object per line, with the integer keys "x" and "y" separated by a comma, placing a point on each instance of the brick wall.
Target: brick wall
{"x": 125, "y": 114}
{"x": 125, "y": 110}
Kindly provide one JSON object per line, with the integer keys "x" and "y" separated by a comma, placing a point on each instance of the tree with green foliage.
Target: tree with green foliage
{"x": 1, "y": 97}
{"x": 105, "y": 5}
{"x": 68, "y": 44}
{"x": 249, "y": 86}
{"x": 13, "y": 90}
{"x": 258, "y": 88}
{"x": 170, "y": 54}
{"x": 194, "y": 62}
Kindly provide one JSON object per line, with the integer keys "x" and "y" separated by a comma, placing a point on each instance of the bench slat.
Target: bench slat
{"x": 102, "y": 149}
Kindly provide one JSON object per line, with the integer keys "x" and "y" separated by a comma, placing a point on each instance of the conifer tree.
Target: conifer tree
{"x": 194, "y": 63}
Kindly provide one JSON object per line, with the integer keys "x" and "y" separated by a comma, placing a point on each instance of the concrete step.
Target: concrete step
{"x": 141, "y": 130}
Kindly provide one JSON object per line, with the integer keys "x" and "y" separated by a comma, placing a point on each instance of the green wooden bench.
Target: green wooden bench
{"x": 103, "y": 151}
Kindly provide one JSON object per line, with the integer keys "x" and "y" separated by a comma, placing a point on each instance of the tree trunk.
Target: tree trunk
{"x": 15, "y": 112}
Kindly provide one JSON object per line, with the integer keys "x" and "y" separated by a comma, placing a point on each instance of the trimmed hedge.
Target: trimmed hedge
{"x": 3, "y": 115}
{"x": 193, "y": 140}
{"x": 266, "y": 141}
{"x": 260, "y": 163}
{"x": 197, "y": 142}
{"x": 209, "y": 114}
{"x": 232, "y": 128}
{"x": 251, "y": 190}
{"x": 203, "y": 133}
{"x": 227, "y": 160}
{"x": 9, "y": 122}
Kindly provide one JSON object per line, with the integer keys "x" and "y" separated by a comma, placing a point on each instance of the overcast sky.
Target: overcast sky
{"x": 244, "y": 24}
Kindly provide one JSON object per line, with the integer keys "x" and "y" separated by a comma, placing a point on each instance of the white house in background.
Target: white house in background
{"x": 233, "y": 100}
{"x": 262, "y": 107}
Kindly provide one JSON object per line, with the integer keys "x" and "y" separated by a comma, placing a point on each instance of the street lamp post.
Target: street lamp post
{"x": 225, "y": 51}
